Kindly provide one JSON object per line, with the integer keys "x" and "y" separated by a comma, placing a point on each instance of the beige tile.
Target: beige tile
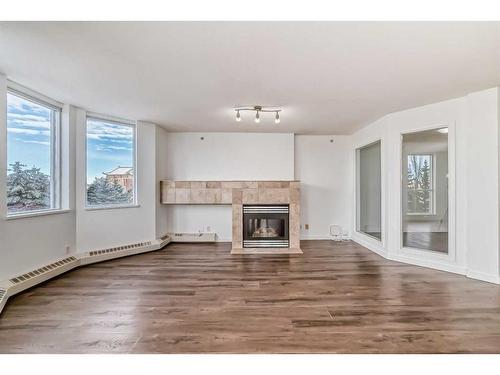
{"x": 294, "y": 194}
{"x": 182, "y": 184}
{"x": 226, "y": 196}
{"x": 250, "y": 185}
{"x": 213, "y": 184}
{"x": 250, "y": 196}
{"x": 198, "y": 184}
{"x": 168, "y": 195}
{"x": 294, "y": 225}
{"x": 237, "y": 196}
{"x": 237, "y": 245}
{"x": 269, "y": 196}
{"x": 273, "y": 184}
{"x": 198, "y": 196}
{"x": 168, "y": 184}
{"x": 232, "y": 184}
{"x": 237, "y": 222}
{"x": 213, "y": 195}
{"x": 182, "y": 195}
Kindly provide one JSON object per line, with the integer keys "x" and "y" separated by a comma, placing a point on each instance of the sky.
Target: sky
{"x": 109, "y": 145}
{"x": 28, "y": 133}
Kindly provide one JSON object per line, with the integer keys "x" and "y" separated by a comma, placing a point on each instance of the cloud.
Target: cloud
{"x": 28, "y": 121}
{"x": 108, "y": 147}
{"x": 28, "y": 131}
{"x": 17, "y": 105}
{"x": 99, "y": 130}
{"x": 47, "y": 143}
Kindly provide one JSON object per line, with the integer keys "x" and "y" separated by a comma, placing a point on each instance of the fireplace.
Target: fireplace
{"x": 265, "y": 226}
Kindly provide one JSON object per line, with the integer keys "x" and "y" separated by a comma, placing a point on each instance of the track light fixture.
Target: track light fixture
{"x": 258, "y": 109}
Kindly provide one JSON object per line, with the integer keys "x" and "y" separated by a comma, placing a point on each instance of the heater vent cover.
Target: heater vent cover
{"x": 42, "y": 270}
{"x": 2, "y": 293}
{"x": 119, "y": 248}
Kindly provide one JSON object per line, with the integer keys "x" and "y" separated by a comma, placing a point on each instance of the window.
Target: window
{"x": 419, "y": 184}
{"x": 369, "y": 190}
{"x": 32, "y": 155}
{"x": 110, "y": 163}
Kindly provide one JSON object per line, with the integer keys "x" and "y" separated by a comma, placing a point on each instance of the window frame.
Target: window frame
{"x": 432, "y": 190}
{"x": 121, "y": 122}
{"x": 55, "y": 149}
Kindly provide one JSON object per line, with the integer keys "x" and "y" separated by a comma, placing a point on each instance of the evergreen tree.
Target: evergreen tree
{"x": 27, "y": 188}
{"x": 424, "y": 198}
{"x": 101, "y": 191}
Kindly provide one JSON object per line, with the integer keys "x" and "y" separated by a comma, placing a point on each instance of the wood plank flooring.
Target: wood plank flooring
{"x": 335, "y": 298}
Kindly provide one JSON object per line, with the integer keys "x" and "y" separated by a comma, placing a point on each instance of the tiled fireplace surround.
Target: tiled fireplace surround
{"x": 237, "y": 194}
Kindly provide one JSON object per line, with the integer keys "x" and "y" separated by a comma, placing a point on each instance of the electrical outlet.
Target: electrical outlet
{"x": 307, "y": 226}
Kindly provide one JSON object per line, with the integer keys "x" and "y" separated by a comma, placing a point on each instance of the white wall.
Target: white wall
{"x": 28, "y": 242}
{"x": 97, "y": 229}
{"x": 223, "y": 156}
{"x": 482, "y": 186}
{"x": 473, "y": 183}
{"x": 161, "y": 174}
{"x": 325, "y": 174}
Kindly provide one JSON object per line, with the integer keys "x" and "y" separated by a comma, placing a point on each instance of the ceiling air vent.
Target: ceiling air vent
{"x": 42, "y": 270}
{"x": 119, "y": 248}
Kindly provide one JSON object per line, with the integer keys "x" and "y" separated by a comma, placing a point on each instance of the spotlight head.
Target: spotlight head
{"x": 277, "y": 118}
{"x": 257, "y": 117}
{"x": 238, "y": 116}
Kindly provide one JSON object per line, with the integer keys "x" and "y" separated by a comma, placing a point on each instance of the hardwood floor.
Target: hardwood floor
{"x": 335, "y": 298}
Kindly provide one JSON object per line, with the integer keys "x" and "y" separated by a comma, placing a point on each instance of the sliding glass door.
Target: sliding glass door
{"x": 425, "y": 190}
{"x": 369, "y": 190}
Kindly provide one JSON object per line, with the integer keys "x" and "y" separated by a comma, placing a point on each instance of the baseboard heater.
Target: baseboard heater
{"x": 37, "y": 275}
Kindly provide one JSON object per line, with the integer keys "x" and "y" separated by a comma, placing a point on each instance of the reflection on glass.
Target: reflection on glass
{"x": 369, "y": 215}
{"x": 425, "y": 190}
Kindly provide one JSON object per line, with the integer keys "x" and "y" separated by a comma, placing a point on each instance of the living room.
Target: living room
{"x": 333, "y": 186}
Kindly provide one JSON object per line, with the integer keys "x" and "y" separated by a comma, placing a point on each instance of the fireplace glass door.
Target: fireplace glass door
{"x": 265, "y": 226}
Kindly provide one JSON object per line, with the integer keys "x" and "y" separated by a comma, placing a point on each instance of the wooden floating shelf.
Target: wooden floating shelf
{"x": 228, "y": 192}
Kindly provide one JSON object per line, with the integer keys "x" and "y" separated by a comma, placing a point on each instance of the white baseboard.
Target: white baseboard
{"x": 306, "y": 237}
{"x": 428, "y": 263}
{"x": 80, "y": 259}
{"x": 371, "y": 244}
{"x": 477, "y": 275}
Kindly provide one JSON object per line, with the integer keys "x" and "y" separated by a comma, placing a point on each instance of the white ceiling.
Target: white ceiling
{"x": 329, "y": 77}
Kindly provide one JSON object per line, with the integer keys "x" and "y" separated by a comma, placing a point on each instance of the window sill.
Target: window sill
{"x": 98, "y": 208}
{"x": 36, "y": 213}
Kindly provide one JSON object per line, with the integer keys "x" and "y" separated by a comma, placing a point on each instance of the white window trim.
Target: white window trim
{"x": 432, "y": 208}
{"x": 118, "y": 121}
{"x": 55, "y": 150}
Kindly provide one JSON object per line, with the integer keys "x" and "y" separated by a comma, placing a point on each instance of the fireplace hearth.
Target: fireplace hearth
{"x": 265, "y": 226}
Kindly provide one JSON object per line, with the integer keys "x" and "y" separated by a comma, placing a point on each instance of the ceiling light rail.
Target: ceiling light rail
{"x": 258, "y": 109}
